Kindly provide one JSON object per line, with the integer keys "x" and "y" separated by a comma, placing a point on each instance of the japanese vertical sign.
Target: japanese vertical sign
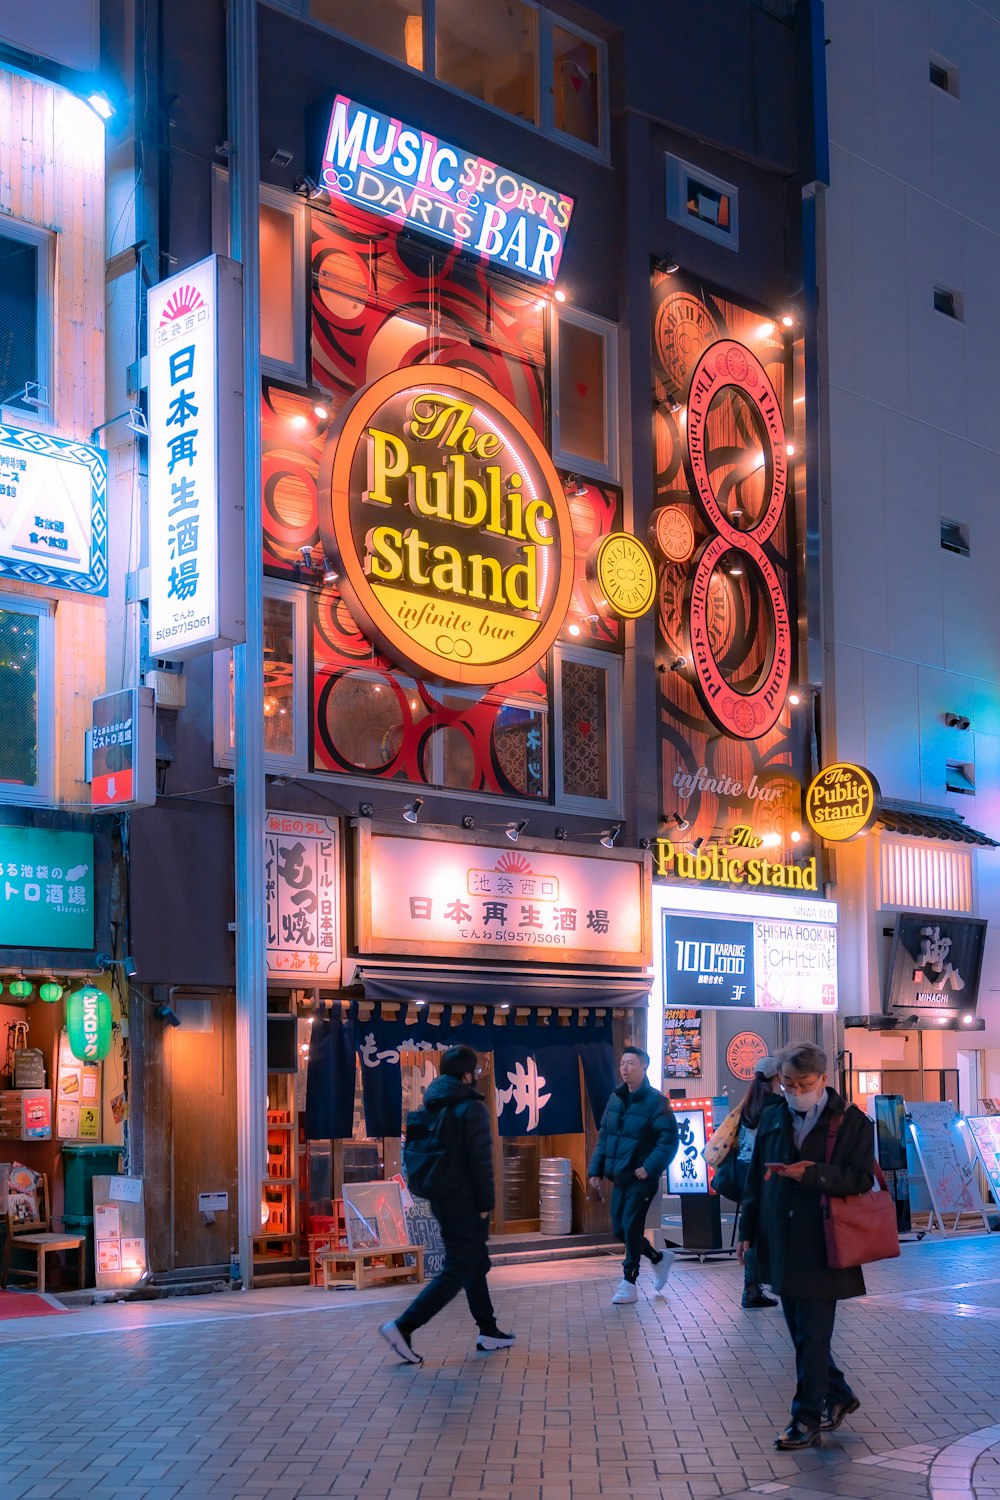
{"x": 688, "y": 1172}
{"x": 124, "y": 749}
{"x": 196, "y": 412}
{"x": 301, "y": 872}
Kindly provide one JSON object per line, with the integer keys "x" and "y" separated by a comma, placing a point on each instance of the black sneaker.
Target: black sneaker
{"x": 487, "y": 1342}
{"x": 395, "y": 1336}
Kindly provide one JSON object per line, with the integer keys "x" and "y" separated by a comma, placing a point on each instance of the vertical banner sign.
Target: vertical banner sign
{"x": 124, "y": 749}
{"x": 688, "y": 1172}
{"x": 196, "y": 402}
{"x": 302, "y": 883}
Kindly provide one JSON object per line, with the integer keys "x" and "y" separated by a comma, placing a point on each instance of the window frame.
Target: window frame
{"x": 677, "y": 173}
{"x": 42, "y": 793}
{"x": 43, "y": 241}
{"x": 613, "y": 666}
{"x": 609, "y": 332}
{"x": 297, "y": 762}
{"x": 545, "y": 91}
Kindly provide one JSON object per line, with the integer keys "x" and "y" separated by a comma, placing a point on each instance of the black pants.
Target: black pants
{"x": 466, "y": 1263}
{"x": 629, "y": 1206}
{"x": 820, "y": 1383}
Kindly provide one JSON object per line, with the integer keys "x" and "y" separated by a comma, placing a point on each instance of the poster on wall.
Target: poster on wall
{"x": 682, "y": 1044}
{"x": 78, "y": 1095}
{"x": 948, "y": 1169}
{"x": 302, "y": 886}
{"x": 120, "y": 1258}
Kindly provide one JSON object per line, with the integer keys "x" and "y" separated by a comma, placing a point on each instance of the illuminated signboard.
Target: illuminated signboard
{"x": 123, "y": 747}
{"x": 53, "y": 511}
{"x": 48, "y": 888}
{"x": 688, "y": 1172}
{"x": 622, "y": 576}
{"x": 776, "y": 964}
{"x": 422, "y": 183}
{"x": 302, "y": 885}
{"x": 452, "y": 533}
{"x": 748, "y": 865}
{"x": 196, "y": 408}
{"x": 841, "y": 802}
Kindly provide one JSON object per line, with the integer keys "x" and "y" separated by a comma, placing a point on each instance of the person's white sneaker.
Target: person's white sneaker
{"x": 662, "y": 1270}
{"x": 626, "y": 1293}
{"x": 397, "y": 1338}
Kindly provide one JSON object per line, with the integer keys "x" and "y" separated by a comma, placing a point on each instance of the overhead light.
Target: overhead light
{"x": 795, "y": 836}
{"x": 666, "y": 265}
{"x": 306, "y": 556}
{"x": 411, "y": 812}
{"x": 366, "y": 809}
{"x": 168, "y": 1014}
{"x": 330, "y": 574}
{"x": 678, "y": 664}
{"x": 514, "y": 830}
{"x": 559, "y": 295}
{"x": 787, "y": 320}
{"x": 735, "y": 569}
{"x": 683, "y": 824}
{"x": 505, "y": 1005}
{"x": 957, "y": 721}
{"x": 771, "y": 840}
{"x": 736, "y": 515}
{"x": 321, "y": 411}
{"x": 101, "y": 104}
{"x": 765, "y": 330}
{"x": 795, "y": 697}
{"x": 609, "y": 835}
{"x": 790, "y": 449}
{"x": 967, "y": 1020}
{"x": 574, "y": 485}
{"x": 574, "y": 629}
{"x": 468, "y": 821}
{"x": 561, "y": 833}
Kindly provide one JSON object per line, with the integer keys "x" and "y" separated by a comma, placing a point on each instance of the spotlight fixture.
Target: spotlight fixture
{"x": 695, "y": 845}
{"x": 574, "y": 485}
{"x": 167, "y": 1014}
{"x": 561, "y": 834}
{"x": 678, "y": 664}
{"x": 574, "y": 629}
{"x": 321, "y": 411}
{"x": 514, "y": 830}
{"x": 306, "y": 555}
{"x": 967, "y": 1020}
{"x": 468, "y": 821}
{"x": 559, "y": 295}
{"x": 788, "y": 320}
{"x": 101, "y": 105}
{"x": 366, "y": 809}
{"x": 771, "y": 840}
{"x": 795, "y": 697}
{"x": 795, "y": 836}
{"x": 309, "y": 188}
{"x": 645, "y": 843}
{"x": 736, "y": 515}
{"x": 610, "y": 834}
{"x": 957, "y": 721}
{"x": 680, "y": 823}
{"x": 505, "y": 1005}
{"x": 671, "y": 401}
{"x": 667, "y": 265}
{"x": 411, "y": 812}
{"x": 330, "y": 574}
{"x": 735, "y": 569}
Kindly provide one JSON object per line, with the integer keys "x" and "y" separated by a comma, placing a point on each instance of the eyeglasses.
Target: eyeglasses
{"x": 799, "y": 1085}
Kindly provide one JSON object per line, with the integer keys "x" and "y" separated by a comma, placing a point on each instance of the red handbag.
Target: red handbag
{"x": 862, "y": 1228}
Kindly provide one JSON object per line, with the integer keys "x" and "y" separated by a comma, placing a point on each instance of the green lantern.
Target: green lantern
{"x": 88, "y": 1020}
{"x": 20, "y": 988}
{"x": 50, "y": 992}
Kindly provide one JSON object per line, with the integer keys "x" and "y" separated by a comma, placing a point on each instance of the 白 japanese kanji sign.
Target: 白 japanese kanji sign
{"x": 47, "y": 888}
{"x": 443, "y": 896}
{"x": 196, "y": 409}
{"x": 301, "y": 873}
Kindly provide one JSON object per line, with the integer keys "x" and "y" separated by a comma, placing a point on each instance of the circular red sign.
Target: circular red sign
{"x": 743, "y": 1054}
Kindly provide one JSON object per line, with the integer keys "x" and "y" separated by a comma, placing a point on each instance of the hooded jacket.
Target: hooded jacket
{"x": 635, "y": 1132}
{"x": 783, "y": 1219}
{"x": 471, "y": 1140}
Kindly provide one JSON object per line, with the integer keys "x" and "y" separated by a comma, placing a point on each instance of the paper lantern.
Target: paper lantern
{"x": 50, "y": 992}
{"x": 20, "y": 988}
{"x": 88, "y": 1020}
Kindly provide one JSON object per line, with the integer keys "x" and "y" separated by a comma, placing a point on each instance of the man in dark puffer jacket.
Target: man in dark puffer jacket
{"x": 638, "y": 1140}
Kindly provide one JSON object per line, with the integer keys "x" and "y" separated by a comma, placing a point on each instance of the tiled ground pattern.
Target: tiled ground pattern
{"x": 288, "y": 1395}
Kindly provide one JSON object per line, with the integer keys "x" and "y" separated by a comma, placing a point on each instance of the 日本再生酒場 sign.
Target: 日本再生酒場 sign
{"x": 196, "y": 414}
{"x": 53, "y": 511}
{"x": 422, "y": 183}
{"x": 451, "y": 531}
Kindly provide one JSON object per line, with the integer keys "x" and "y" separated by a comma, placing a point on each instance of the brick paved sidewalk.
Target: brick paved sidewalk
{"x": 290, "y": 1394}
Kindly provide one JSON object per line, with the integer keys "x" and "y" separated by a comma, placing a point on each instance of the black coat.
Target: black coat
{"x": 641, "y": 1132}
{"x": 783, "y": 1219}
{"x": 471, "y": 1139}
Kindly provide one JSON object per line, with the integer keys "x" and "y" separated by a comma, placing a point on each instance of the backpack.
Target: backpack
{"x": 428, "y": 1155}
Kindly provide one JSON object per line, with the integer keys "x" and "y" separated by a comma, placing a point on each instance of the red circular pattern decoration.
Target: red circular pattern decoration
{"x": 749, "y": 715}
{"x": 672, "y": 534}
{"x": 743, "y": 1054}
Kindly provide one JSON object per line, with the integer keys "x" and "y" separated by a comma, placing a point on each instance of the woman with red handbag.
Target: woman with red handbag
{"x": 814, "y": 1149}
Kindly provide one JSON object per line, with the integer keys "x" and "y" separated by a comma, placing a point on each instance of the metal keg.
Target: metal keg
{"x": 555, "y": 1195}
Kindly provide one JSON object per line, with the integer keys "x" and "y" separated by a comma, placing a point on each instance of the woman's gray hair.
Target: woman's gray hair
{"x": 802, "y": 1058}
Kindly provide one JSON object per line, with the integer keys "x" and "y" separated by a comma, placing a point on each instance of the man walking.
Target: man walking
{"x": 638, "y": 1139}
{"x": 463, "y": 1211}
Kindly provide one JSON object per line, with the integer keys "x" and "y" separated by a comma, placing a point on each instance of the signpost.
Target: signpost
{"x": 948, "y": 1169}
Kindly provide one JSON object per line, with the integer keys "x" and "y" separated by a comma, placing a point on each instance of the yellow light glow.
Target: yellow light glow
{"x": 765, "y": 330}
{"x": 299, "y": 421}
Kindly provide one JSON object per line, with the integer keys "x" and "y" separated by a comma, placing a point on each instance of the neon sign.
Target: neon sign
{"x": 420, "y": 182}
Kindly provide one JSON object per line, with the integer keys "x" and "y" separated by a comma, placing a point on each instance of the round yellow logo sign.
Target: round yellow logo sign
{"x": 841, "y": 802}
{"x": 622, "y": 575}
{"x": 449, "y": 525}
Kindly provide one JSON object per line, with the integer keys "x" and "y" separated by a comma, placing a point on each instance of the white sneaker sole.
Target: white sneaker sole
{"x": 486, "y": 1344}
{"x": 392, "y": 1336}
{"x": 661, "y": 1270}
{"x": 620, "y": 1301}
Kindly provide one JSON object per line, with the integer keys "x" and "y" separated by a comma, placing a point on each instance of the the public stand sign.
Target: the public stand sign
{"x": 841, "y": 802}
{"x": 196, "y": 453}
{"x": 425, "y": 184}
{"x": 53, "y": 511}
{"x": 47, "y": 879}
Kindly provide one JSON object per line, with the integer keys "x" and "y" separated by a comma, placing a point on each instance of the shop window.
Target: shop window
{"x": 584, "y": 378}
{"x": 576, "y": 86}
{"x": 26, "y": 700}
{"x": 588, "y": 719}
{"x": 25, "y": 318}
{"x": 489, "y": 50}
{"x": 393, "y": 27}
{"x": 702, "y": 203}
{"x": 285, "y": 733}
{"x": 282, "y": 273}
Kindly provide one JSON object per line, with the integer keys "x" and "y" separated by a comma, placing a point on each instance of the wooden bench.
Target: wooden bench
{"x": 35, "y": 1235}
{"x": 361, "y": 1268}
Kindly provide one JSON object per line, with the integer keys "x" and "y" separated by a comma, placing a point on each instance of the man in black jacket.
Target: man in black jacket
{"x": 463, "y": 1215}
{"x": 638, "y": 1139}
{"x": 813, "y": 1146}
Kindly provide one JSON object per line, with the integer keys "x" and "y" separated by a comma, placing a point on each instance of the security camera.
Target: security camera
{"x": 957, "y": 721}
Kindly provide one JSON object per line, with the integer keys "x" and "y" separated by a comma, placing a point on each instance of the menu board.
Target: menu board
{"x": 682, "y": 1044}
{"x": 948, "y": 1169}
{"x": 119, "y": 1232}
{"x": 985, "y": 1132}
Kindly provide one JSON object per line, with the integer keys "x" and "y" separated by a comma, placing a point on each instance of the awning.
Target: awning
{"x": 457, "y": 985}
{"x": 948, "y": 827}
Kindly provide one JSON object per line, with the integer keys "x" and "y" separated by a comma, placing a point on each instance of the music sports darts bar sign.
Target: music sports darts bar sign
{"x": 450, "y": 528}
{"x": 425, "y": 184}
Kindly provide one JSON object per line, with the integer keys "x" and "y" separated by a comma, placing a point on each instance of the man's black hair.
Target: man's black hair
{"x": 638, "y": 1053}
{"x": 458, "y": 1061}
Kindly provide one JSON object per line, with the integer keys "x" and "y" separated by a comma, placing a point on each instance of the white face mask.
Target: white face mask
{"x": 803, "y": 1103}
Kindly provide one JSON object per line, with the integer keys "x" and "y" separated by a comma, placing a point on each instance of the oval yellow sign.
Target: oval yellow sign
{"x": 622, "y": 575}
{"x": 841, "y": 802}
{"x": 451, "y": 530}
